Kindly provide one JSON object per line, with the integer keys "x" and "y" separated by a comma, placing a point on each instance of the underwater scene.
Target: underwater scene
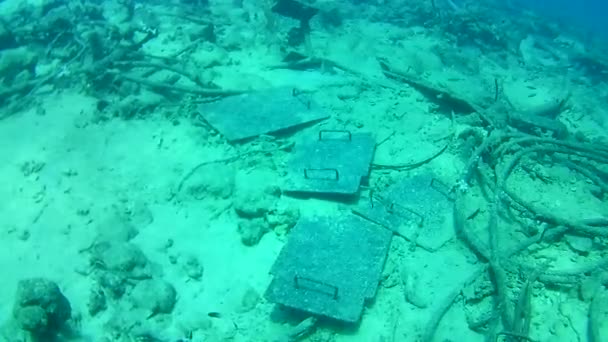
{"x": 303, "y": 170}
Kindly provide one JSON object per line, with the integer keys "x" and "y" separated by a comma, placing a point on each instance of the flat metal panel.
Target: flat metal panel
{"x": 248, "y": 115}
{"x": 414, "y": 208}
{"x": 330, "y": 266}
{"x": 331, "y": 164}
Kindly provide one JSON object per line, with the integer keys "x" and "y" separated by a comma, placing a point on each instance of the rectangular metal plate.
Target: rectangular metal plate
{"x": 330, "y": 266}
{"x": 248, "y": 115}
{"x": 331, "y": 162}
{"x": 415, "y": 209}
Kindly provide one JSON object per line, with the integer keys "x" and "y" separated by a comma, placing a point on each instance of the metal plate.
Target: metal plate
{"x": 331, "y": 162}
{"x": 414, "y": 208}
{"x": 248, "y": 115}
{"x": 330, "y": 266}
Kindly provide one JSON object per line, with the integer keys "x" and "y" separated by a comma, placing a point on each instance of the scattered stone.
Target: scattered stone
{"x": 155, "y": 296}
{"x": 97, "y": 301}
{"x": 253, "y": 198}
{"x": 193, "y": 268}
{"x": 117, "y": 264}
{"x": 580, "y": 244}
{"x": 115, "y": 228}
{"x": 252, "y": 205}
{"x": 192, "y": 321}
{"x": 478, "y": 290}
{"x": 303, "y": 329}
{"x": 211, "y": 181}
{"x": 412, "y": 289}
{"x": 139, "y": 215}
{"x": 282, "y": 218}
{"x": 114, "y": 285}
{"x": 121, "y": 257}
{"x": 251, "y": 231}
{"x": 40, "y": 308}
{"x": 250, "y": 300}
{"x": 478, "y": 314}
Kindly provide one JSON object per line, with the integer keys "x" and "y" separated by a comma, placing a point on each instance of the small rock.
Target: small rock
{"x": 252, "y": 205}
{"x": 120, "y": 257}
{"x": 97, "y": 301}
{"x": 302, "y": 329}
{"x": 33, "y": 319}
{"x": 251, "y": 231}
{"x": 282, "y": 218}
{"x": 479, "y": 313}
{"x": 154, "y": 295}
{"x": 40, "y": 307}
{"x": 250, "y": 300}
{"x": 211, "y": 181}
{"x": 139, "y": 214}
{"x": 580, "y": 244}
{"x": 115, "y": 228}
{"x": 412, "y": 289}
{"x": 113, "y": 284}
{"x": 193, "y": 268}
{"x": 254, "y": 197}
{"x": 193, "y": 320}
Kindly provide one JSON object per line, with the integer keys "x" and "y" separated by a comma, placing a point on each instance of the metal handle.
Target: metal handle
{"x": 336, "y": 174}
{"x": 390, "y": 208}
{"x": 347, "y": 133}
{"x": 310, "y": 284}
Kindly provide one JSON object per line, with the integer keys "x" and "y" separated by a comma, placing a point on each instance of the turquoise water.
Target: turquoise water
{"x": 588, "y": 14}
{"x": 303, "y": 170}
